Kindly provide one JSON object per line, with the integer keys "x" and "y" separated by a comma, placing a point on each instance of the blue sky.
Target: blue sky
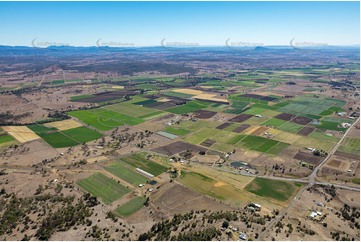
{"x": 203, "y": 23}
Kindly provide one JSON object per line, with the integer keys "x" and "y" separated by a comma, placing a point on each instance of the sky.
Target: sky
{"x": 178, "y": 23}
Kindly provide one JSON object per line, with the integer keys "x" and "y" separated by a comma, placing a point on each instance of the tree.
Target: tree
{"x": 225, "y": 224}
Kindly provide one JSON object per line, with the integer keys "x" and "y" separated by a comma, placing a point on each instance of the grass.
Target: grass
{"x": 290, "y": 127}
{"x": 58, "y": 140}
{"x": 130, "y": 207}
{"x": 177, "y": 131}
{"x": 82, "y": 134}
{"x": 350, "y": 145}
{"x": 356, "y": 180}
{"x": 187, "y": 108}
{"x": 139, "y": 161}
{"x": 41, "y": 129}
{"x": 206, "y": 185}
{"x": 126, "y": 173}
{"x": 261, "y": 144}
{"x": 103, "y": 119}
{"x": 320, "y": 135}
{"x": 6, "y": 139}
{"x": 57, "y": 82}
{"x": 275, "y": 122}
{"x": 80, "y": 97}
{"x": 130, "y": 109}
{"x": 103, "y": 187}
{"x": 278, "y": 190}
{"x": 326, "y": 125}
{"x": 201, "y": 135}
{"x": 67, "y": 138}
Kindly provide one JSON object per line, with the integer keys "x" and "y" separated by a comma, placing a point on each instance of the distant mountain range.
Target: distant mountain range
{"x": 94, "y": 50}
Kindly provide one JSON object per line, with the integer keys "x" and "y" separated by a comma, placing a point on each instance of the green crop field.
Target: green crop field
{"x": 103, "y": 187}
{"x": 66, "y": 138}
{"x": 58, "y": 140}
{"x": 278, "y": 190}
{"x": 187, "y": 108}
{"x": 126, "y": 173}
{"x": 145, "y": 102}
{"x": 261, "y": 144}
{"x": 201, "y": 135}
{"x": 350, "y": 145}
{"x": 40, "y": 129}
{"x": 80, "y": 97}
{"x": 326, "y": 125}
{"x": 131, "y": 207}
{"x": 82, "y": 134}
{"x": 131, "y": 110}
{"x": 290, "y": 127}
{"x": 4, "y": 138}
{"x": 275, "y": 122}
{"x": 177, "y": 131}
{"x": 319, "y": 135}
{"x": 177, "y": 94}
{"x": 57, "y": 82}
{"x": 139, "y": 161}
{"x": 103, "y": 119}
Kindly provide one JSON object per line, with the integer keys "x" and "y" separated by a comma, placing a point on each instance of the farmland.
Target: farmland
{"x": 103, "y": 187}
{"x": 103, "y": 119}
{"x": 278, "y": 190}
{"x": 126, "y": 173}
{"x": 139, "y": 161}
{"x": 130, "y": 207}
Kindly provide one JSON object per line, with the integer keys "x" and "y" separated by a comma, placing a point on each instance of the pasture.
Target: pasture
{"x": 131, "y": 110}
{"x": 70, "y": 137}
{"x": 140, "y": 161}
{"x": 278, "y": 190}
{"x": 177, "y": 131}
{"x": 126, "y": 173}
{"x": 103, "y": 119}
{"x": 350, "y": 145}
{"x": 187, "y": 108}
{"x": 130, "y": 207}
{"x": 103, "y": 187}
{"x": 6, "y": 139}
{"x": 274, "y": 122}
{"x": 261, "y": 144}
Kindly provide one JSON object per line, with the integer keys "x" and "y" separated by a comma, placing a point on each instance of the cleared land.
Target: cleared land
{"x": 64, "y": 124}
{"x": 131, "y": 207}
{"x": 139, "y": 161}
{"x": 103, "y": 119}
{"x": 126, "y": 173}
{"x": 278, "y": 190}
{"x": 21, "y": 133}
{"x": 103, "y": 187}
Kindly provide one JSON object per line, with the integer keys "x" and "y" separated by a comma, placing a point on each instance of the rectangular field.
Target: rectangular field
{"x": 126, "y": 173}
{"x": 131, "y": 207}
{"x": 103, "y": 119}
{"x": 103, "y": 187}
{"x": 21, "y": 133}
{"x": 139, "y": 161}
{"x": 64, "y": 124}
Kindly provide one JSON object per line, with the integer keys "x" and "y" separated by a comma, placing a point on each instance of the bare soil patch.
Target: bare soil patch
{"x": 241, "y": 128}
{"x": 347, "y": 155}
{"x": 178, "y": 147}
{"x": 307, "y": 157}
{"x": 301, "y": 120}
{"x": 240, "y": 118}
{"x": 305, "y": 131}
{"x": 223, "y": 126}
{"x": 208, "y": 142}
{"x": 260, "y": 131}
{"x": 204, "y": 114}
{"x": 285, "y": 116}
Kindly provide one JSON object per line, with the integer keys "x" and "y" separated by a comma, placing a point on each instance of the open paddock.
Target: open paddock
{"x": 178, "y": 199}
{"x": 177, "y": 147}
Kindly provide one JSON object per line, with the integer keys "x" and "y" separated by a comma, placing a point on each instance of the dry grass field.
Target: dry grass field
{"x": 64, "y": 124}
{"x": 21, "y": 133}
